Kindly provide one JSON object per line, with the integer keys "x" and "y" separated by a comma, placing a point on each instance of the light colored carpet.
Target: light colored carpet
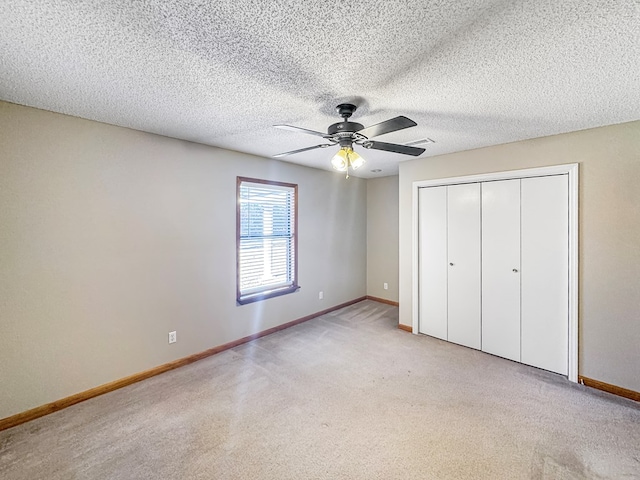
{"x": 344, "y": 396}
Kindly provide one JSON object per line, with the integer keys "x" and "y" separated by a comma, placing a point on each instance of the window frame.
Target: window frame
{"x": 267, "y": 291}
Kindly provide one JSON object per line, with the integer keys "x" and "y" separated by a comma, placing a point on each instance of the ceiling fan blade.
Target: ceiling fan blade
{"x": 394, "y": 147}
{"x": 387, "y": 126}
{"x": 324, "y": 145}
{"x": 301, "y": 130}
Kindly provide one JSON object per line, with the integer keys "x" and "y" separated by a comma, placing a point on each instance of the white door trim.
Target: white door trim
{"x": 572, "y": 171}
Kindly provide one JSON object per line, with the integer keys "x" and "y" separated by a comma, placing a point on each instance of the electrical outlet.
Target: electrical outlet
{"x": 320, "y": 295}
{"x": 386, "y": 286}
{"x": 172, "y": 337}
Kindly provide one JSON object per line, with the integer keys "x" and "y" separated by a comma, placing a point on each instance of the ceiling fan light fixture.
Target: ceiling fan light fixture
{"x": 346, "y": 158}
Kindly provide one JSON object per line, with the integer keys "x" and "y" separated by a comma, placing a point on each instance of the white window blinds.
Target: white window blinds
{"x": 266, "y": 239}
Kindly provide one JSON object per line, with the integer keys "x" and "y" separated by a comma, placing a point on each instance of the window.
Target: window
{"x": 266, "y": 241}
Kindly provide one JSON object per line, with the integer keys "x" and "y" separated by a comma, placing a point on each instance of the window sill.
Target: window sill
{"x": 256, "y": 297}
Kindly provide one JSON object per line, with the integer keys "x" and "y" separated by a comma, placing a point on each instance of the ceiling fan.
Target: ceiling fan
{"x": 346, "y": 134}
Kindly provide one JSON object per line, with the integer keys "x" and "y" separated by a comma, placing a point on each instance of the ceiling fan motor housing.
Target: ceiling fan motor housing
{"x": 344, "y": 127}
{"x": 344, "y": 132}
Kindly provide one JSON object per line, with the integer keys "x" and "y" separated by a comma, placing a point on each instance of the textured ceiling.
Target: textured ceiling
{"x": 470, "y": 73}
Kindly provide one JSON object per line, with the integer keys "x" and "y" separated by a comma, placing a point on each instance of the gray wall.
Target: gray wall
{"x": 382, "y": 237}
{"x": 609, "y": 235}
{"x": 110, "y": 238}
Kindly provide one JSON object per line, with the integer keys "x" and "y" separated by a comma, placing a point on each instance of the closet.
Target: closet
{"x": 493, "y": 267}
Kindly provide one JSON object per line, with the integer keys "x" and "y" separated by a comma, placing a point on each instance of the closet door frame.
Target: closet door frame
{"x": 569, "y": 169}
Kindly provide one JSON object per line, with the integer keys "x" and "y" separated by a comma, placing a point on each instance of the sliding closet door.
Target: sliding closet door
{"x": 463, "y": 222}
{"x": 501, "y": 268}
{"x": 545, "y": 272}
{"x": 432, "y": 234}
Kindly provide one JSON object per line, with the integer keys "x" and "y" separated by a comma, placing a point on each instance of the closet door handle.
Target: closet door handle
{"x": 515, "y": 270}
{"x": 451, "y": 264}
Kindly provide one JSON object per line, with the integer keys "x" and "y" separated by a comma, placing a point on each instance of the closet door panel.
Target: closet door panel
{"x": 501, "y": 268}
{"x": 545, "y": 272}
{"x": 432, "y": 237}
{"x": 463, "y": 221}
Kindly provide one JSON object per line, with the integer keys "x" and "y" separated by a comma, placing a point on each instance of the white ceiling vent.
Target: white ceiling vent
{"x": 420, "y": 142}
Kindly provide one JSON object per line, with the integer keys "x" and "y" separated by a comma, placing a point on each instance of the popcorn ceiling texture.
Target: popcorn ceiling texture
{"x": 470, "y": 73}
